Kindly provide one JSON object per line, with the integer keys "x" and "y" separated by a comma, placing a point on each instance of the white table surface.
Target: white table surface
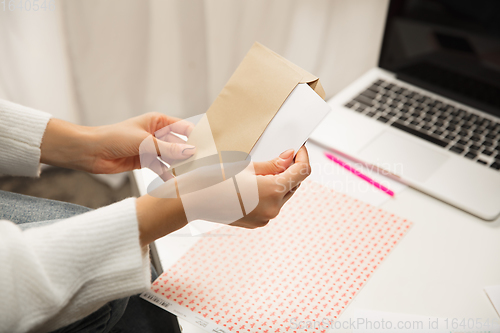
{"x": 439, "y": 269}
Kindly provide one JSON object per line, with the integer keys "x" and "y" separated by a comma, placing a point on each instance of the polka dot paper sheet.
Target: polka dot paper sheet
{"x": 305, "y": 265}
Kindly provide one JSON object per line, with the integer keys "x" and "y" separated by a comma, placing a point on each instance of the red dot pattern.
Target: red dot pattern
{"x": 308, "y": 263}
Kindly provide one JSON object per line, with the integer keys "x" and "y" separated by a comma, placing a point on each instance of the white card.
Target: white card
{"x": 292, "y": 125}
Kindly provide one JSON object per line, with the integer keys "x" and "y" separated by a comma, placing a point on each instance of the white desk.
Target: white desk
{"x": 439, "y": 269}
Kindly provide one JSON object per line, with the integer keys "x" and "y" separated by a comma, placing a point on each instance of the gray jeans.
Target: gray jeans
{"x": 131, "y": 314}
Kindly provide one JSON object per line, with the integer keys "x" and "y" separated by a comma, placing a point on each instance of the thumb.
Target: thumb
{"x": 175, "y": 151}
{"x": 273, "y": 167}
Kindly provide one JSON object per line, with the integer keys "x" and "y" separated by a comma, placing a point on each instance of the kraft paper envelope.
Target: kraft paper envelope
{"x": 246, "y": 105}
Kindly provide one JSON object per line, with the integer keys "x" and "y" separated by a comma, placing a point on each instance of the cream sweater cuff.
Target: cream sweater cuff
{"x": 21, "y": 132}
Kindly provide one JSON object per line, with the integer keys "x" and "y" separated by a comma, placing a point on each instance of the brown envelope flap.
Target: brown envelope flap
{"x": 307, "y": 77}
{"x": 252, "y": 97}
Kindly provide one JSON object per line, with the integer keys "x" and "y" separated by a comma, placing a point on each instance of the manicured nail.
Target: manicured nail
{"x": 188, "y": 151}
{"x": 286, "y": 154}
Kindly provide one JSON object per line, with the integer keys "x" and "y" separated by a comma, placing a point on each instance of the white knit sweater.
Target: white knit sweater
{"x": 54, "y": 275}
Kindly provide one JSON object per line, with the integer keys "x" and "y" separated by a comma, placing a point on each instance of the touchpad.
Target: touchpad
{"x": 402, "y": 157}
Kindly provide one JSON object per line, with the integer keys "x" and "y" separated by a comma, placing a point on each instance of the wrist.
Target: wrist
{"x": 158, "y": 217}
{"x": 68, "y": 145}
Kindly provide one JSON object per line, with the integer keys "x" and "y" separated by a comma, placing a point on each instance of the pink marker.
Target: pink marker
{"x": 359, "y": 174}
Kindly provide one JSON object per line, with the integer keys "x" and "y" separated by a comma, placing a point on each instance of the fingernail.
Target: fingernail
{"x": 188, "y": 151}
{"x": 286, "y": 154}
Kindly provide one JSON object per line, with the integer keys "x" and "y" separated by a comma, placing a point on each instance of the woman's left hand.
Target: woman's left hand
{"x": 112, "y": 148}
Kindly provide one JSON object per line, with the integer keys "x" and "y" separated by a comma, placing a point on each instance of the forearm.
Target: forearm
{"x": 158, "y": 217}
{"x": 67, "y": 145}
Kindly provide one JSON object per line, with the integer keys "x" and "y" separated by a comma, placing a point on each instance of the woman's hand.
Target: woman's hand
{"x": 112, "y": 148}
{"x": 277, "y": 180}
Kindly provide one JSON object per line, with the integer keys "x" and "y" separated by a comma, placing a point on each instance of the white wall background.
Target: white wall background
{"x": 97, "y": 62}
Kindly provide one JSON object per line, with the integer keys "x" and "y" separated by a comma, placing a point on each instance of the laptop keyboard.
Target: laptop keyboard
{"x": 455, "y": 129}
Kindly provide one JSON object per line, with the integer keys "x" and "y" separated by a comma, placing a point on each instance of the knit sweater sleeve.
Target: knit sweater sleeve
{"x": 21, "y": 132}
{"x": 54, "y": 275}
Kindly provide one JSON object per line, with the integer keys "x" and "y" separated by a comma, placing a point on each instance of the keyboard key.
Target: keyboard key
{"x": 484, "y": 122}
{"x": 369, "y": 94}
{"x": 371, "y": 114}
{"x": 360, "y": 108}
{"x": 494, "y": 127}
{"x": 462, "y": 142}
{"x": 403, "y": 118}
{"x": 450, "y": 137}
{"x": 487, "y": 143}
{"x": 495, "y": 165}
{"x": 438, "y": 132}
{"x": 414, "y": 122}
{"x": 471, "y": 155}
{"x": 379, "y": 82}
{"x": 426, "y": 127}
{"x": 491, "y": 136}
{"x": 475, "y": 138}
{"x": 470, "y": 117}
{"x": 474, "y": 147}
{"x": 457, "y": 149}
{"x": 364, "y": 100}
{"x": 421, "y": 135}
{"x": 487, "y": 152}
{"x": 463, "y": 133}
{"x": 350, "y": 104}
{"x": 383, "y": 119}
{"x": 481, "y": 162}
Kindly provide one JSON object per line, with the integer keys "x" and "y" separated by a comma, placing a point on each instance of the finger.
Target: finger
{"x": 175, "y": 125}
{"x": 160, "y": 169}
{"x": 175, "y": 151}
{"x": 297, "y": 172}
{"x": 275, "y": 166}
{"x": 182, "y": 127}
{"x": 302, "y": 155}
{"x": 172, "y": 138}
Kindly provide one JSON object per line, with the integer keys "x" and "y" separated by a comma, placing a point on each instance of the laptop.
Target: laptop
{"x": 429, "y": 114}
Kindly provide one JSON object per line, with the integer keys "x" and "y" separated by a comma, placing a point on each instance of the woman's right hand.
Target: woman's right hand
{"x": 277, "y": 180}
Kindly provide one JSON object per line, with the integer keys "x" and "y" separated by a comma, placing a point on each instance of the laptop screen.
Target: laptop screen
{"x": 451, "y": 47}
